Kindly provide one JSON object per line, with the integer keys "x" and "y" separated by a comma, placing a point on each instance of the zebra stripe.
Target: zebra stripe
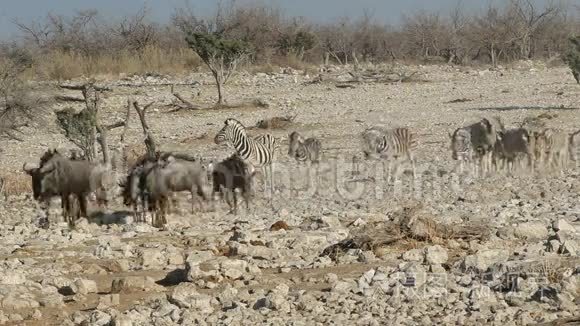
{"x": 461, "y": 145}
{"x": 258, "y": 151}
{"x": 303, "y": 150}
{"x": 552, "y": 147}
{"x": 389, "y": 142}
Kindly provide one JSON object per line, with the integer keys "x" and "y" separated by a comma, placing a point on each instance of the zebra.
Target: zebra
{"x": 461, "y": 147}
{"x": 303, "y": 150}
{"x": 257, "y": 152}
{"x": 390, "y": 143}
{"x": 552, "y": 148}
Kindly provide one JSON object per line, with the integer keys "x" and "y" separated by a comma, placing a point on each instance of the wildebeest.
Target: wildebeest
{"x": 482, "y": 138}
{"x": 153, "y": 181}
{"x": 45, "y": 198}
{"x": 512, "y": 143}
{"x": 231, "y": 174}
{"x": 61, "y": 176}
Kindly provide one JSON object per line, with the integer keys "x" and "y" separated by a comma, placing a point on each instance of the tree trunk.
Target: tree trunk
{"x": 220, "y": 92}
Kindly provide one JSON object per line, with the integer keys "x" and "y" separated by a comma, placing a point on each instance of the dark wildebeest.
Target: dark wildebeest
{"x": 44, "y": 198}
{"x": 512, "y": 143}
{"x": 154, "y": 182}
{"x": 231, "y": 174}
{"x": 58, "y": 175}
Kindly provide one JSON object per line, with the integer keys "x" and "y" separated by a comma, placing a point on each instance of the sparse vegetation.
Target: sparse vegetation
{"x": 573, "y": 57}
{"x": 221, "y": 56}
{"x": 84, "y": 44}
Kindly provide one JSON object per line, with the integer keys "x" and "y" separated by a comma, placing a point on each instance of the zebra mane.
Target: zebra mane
{"x": 232, "y": 121}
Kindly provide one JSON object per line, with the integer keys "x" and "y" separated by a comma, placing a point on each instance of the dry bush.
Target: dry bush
{"x": 85, "y": 44}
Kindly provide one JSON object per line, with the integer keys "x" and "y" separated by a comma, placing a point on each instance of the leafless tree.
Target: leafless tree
{"x": 17, "y": 105}
{"x": 137, "y": 32}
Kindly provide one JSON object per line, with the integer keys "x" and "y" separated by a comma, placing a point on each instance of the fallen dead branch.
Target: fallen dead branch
{"x": 409, "y": 224}
{"x": 66, "y": 98}
{"x": 459, "y": 100}
{"x": 344, "y": 86}
{"x": 80, "y": 87}
{"x": 567, "y": 321}
{"x": 180, "y": 103}
{"x": 347, "y": 79}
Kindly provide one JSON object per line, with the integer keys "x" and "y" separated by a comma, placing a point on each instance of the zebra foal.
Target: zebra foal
{"x": 257, "y": 152}
{"x": 462, "y": 148}
{"x": 303, "y": 150}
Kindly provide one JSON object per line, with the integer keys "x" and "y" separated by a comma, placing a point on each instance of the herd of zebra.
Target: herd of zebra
{"x": 151, "y": 183}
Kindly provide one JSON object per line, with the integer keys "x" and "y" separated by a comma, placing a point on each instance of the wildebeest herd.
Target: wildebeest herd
{"x": 150, "y": 184}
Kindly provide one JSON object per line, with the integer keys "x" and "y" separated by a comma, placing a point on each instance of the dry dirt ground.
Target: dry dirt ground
{"x": 443, "y": 249}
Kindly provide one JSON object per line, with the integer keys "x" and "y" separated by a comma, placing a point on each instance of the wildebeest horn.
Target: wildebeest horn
{"x": 28, "y": 167}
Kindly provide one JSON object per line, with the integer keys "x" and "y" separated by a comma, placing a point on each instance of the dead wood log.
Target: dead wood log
{"x": 344, "y": 86}
{"x": 181, "y": 103}
{"x": 565, "y": 321}
{"x": 149, "y": 140}
{"x": 115, "y": 125}
{"x": 66, "y": 98}
{"x": 81, "y": 87}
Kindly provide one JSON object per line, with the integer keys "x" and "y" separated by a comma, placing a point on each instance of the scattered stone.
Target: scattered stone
{"x": 280, "y": 225}
{"x": 483, "y": 259}
{"x": 185, "y": 295}
{"x": 436, "y": 255}
{"x": 108, "y": 300}
{"x": 531, "y": 231}
{"x": 414, "y": 255}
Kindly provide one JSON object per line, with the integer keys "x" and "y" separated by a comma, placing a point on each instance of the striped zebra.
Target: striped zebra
{"x": 390, "y": 143}
{"x": 462, "y": 148}
{"x": 258, "y": 152}
{"x": 552, "y": 148}
{"x": 303, "y": 150}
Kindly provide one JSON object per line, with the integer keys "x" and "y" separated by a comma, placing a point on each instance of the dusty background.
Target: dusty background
{"x": 498, "y": 249}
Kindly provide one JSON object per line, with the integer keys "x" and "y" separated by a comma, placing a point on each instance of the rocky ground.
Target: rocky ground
{"x": 350, "y": 247}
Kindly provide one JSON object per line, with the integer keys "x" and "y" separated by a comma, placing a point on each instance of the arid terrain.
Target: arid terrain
{"x": 352, "y": 247}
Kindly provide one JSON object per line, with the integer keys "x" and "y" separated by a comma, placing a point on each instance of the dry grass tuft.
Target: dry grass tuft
{"x": 15, "y": 183}
{"x": 63, "y": 66}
